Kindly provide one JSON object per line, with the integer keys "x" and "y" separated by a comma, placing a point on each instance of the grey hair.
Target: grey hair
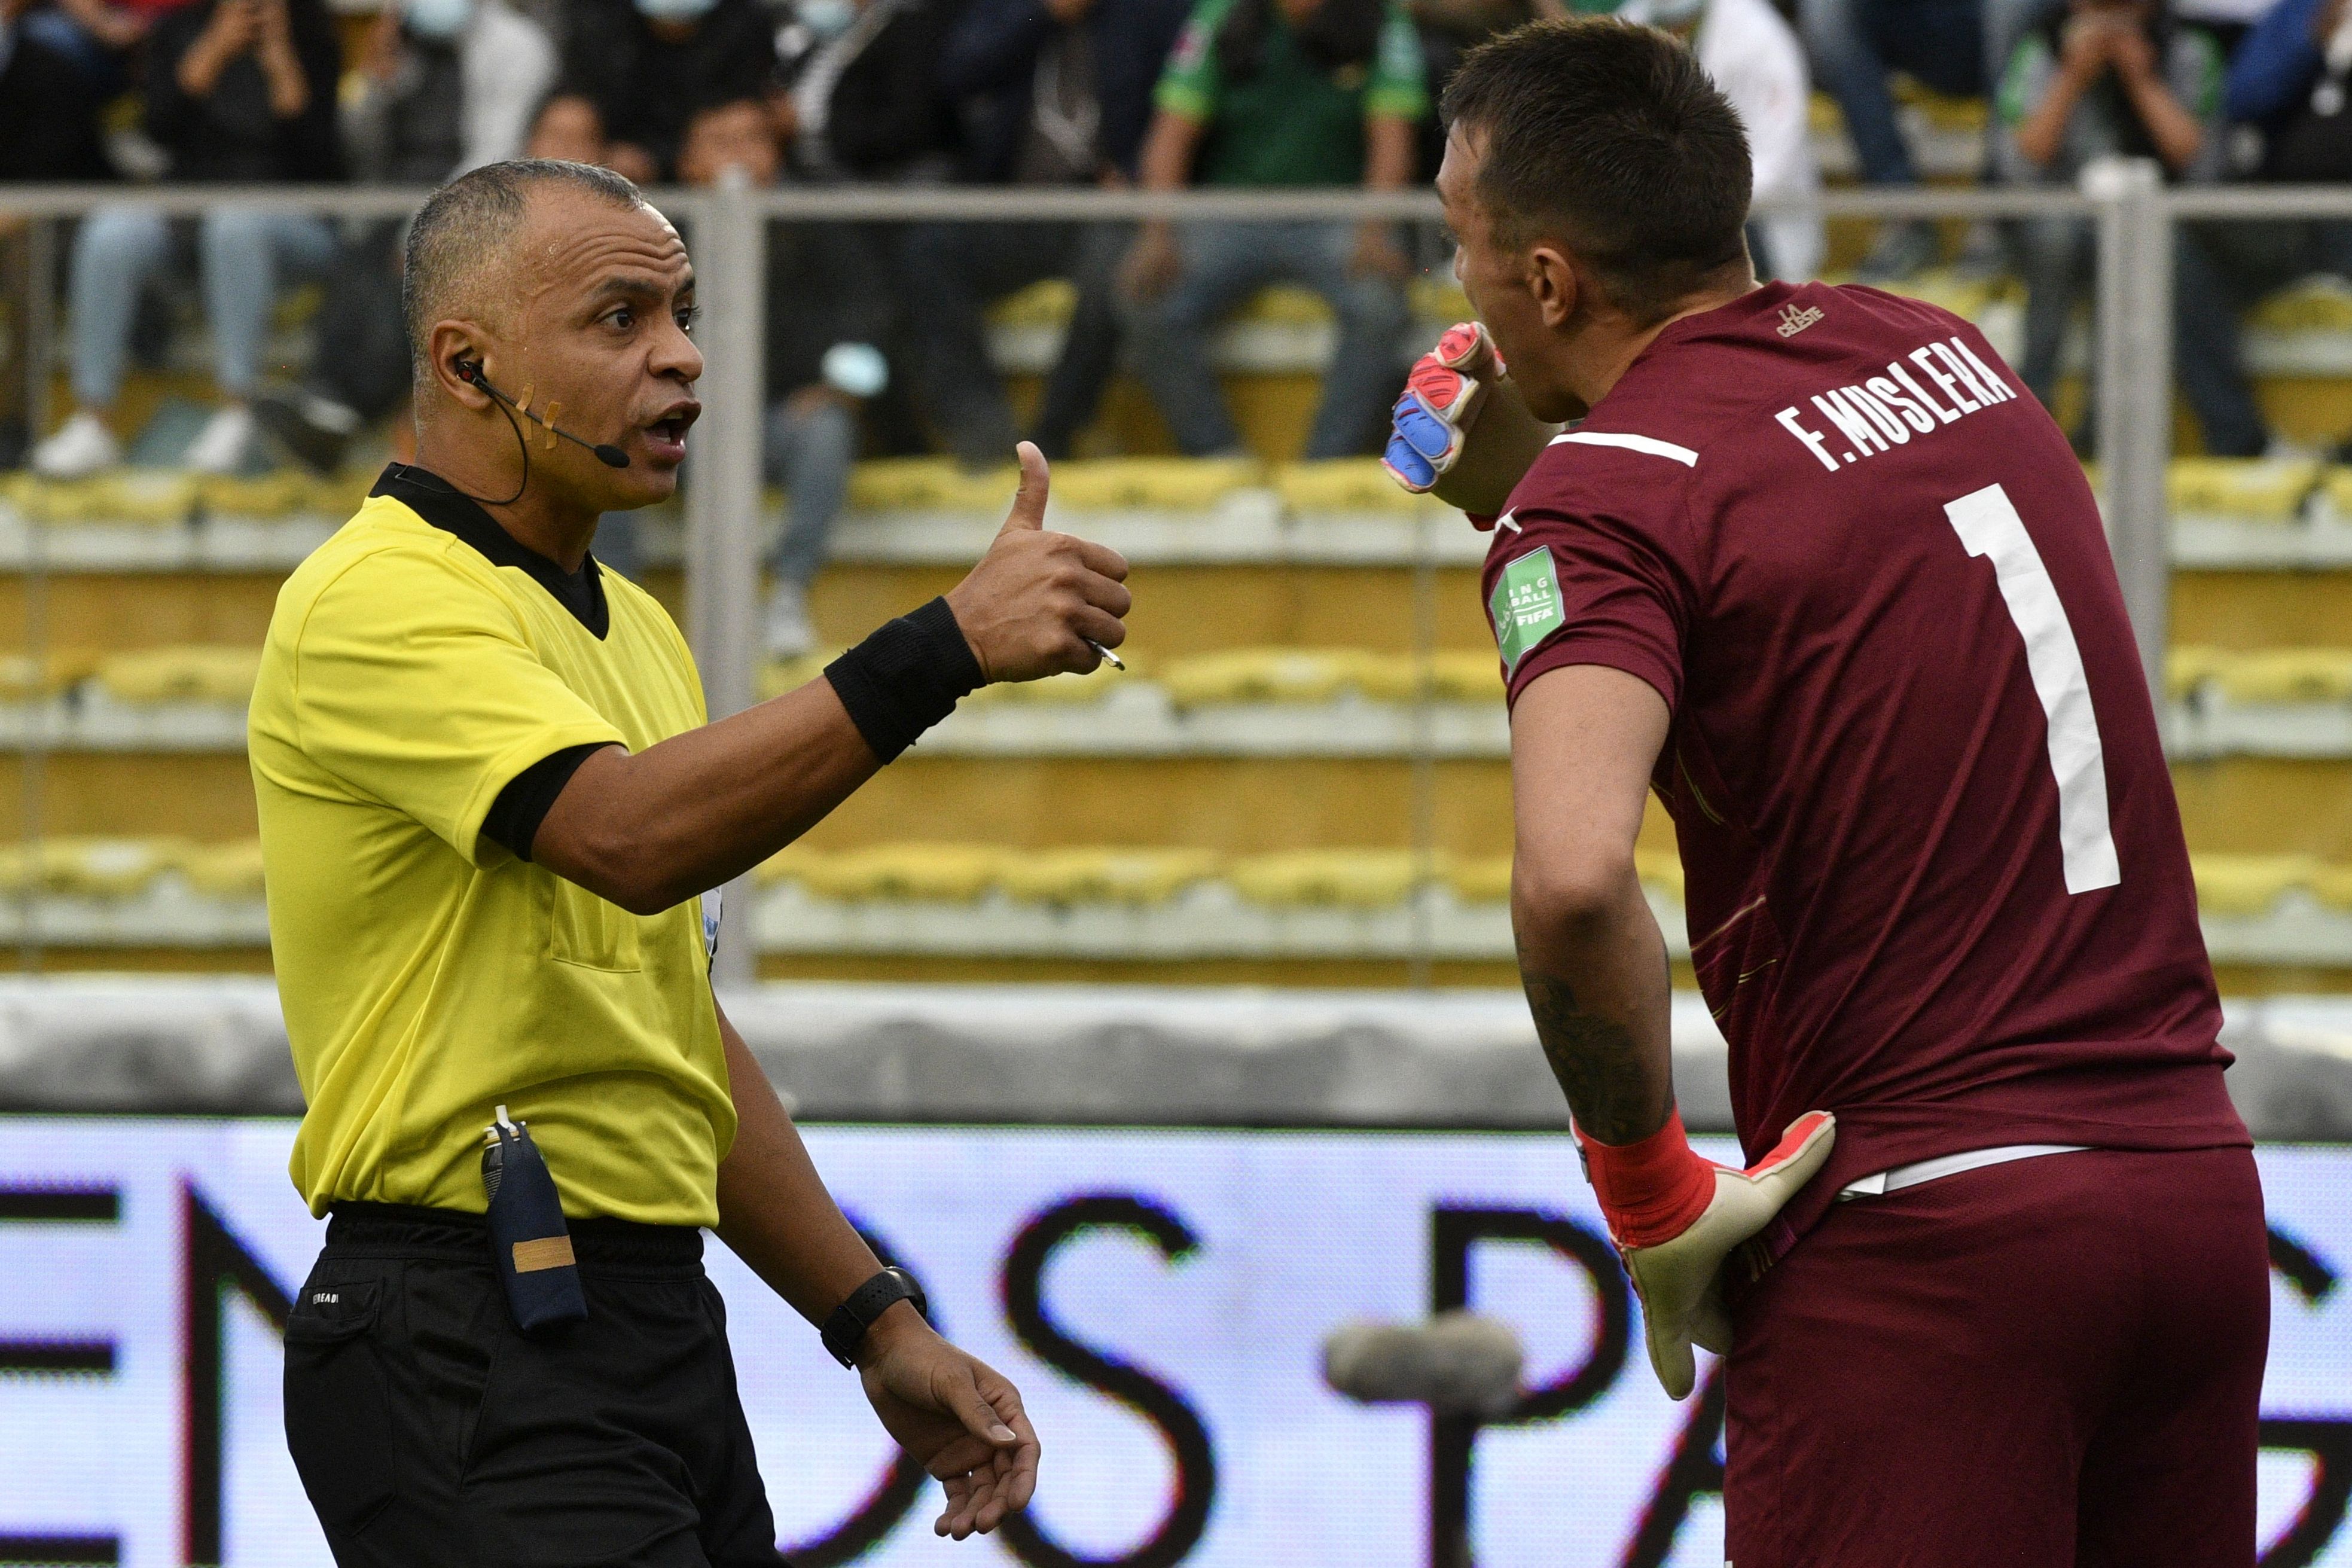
{"x": 460, "y": 233}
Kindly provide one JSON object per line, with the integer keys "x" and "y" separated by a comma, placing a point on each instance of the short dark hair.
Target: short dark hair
{"x": 468, "y": 221}
{"x": 1610, "y": 136}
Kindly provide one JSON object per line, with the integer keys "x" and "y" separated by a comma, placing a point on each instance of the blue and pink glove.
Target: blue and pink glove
{"x": 1442, "y": 397}
{"x": 1461, "y": 432}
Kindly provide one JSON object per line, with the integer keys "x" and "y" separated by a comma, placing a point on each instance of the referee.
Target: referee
{"x": 490, "y": 804}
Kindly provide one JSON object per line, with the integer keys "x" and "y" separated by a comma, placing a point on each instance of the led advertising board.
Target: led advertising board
{"x": 1160, "y": 1297}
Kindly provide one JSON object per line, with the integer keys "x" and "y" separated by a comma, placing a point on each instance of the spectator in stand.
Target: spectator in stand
{"x": 2097, "y": 78}
{"x": 49, "y": 107}
{"x": 48, "y": 130}
{"x": 823, "y": 321}
{"x": 1279, "y": 93}
{"x": 99, "y": 37}
{"x": 646, "y": 67}
{"x": 1958, "y": 48}
{"x": 1451, "y": 28}
{"x": 2288, "y": 82}
{"x": 568, "y": 129}
{"x": 1059, "y": 94}
{"x": 1755, "y": 59}
{"x": 858, "y": 95}
{"x": 238, "y": 91}
{"x": 444, "y": 86}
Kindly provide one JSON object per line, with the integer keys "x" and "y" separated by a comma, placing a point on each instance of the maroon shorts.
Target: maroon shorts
{"x": 2052, "y": 1363}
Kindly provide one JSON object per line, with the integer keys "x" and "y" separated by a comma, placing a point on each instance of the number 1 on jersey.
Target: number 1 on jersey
{"x": 1987, "y": 524}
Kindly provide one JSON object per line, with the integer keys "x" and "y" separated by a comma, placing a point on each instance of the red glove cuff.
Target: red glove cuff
{"x": 1653, "y": 1191}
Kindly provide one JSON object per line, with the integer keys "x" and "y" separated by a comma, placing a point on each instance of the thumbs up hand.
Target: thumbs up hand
{"x": 1037, "y": 598}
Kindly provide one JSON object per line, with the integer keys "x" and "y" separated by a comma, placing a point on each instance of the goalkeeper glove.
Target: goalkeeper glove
{"x": 1461, "y": 431}
{"x": 1676, "y": 1218}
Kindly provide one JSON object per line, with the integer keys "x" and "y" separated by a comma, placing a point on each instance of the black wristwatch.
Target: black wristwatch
{"x": 844, "y": 1330}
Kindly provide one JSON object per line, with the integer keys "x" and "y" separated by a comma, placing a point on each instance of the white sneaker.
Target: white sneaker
{"x": 787, "y": 631}
{"x": 83, "y": 446}
{"x": 223, "y": 445}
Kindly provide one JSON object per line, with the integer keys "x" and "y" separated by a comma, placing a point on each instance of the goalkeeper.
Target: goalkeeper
{"x": 1808, "y": 565}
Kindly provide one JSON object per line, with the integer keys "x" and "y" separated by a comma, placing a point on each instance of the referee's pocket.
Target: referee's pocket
{"x": 338, "y": 1410}
{"x": 591, "y": 931}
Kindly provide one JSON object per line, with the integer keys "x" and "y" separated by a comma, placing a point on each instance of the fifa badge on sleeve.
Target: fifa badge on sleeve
{"x": 530, "y": 1243}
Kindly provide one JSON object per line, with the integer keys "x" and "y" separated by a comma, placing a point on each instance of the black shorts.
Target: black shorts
{"x": 428, "y": 1429}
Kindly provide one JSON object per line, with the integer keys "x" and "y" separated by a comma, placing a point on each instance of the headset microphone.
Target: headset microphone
{"x": 470, "y": 372}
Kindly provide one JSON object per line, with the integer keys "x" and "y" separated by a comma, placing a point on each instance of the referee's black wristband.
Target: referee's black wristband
{"x": 844, "y": 1330}
{"x": 906, "y": 678}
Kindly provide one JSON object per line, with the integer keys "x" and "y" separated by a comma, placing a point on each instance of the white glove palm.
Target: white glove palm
{"x": 1680, "y": 1281}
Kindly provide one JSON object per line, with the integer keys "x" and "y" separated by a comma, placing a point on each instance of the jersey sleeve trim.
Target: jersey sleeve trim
{"x": 1649, "y": 445}
{"x": 509, "y": 765}
{"x": 513, "y": 820}
{"x": 1571, "y": 647}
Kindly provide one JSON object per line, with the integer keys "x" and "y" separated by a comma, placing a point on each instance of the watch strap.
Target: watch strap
{"x": 844, "y": 1330}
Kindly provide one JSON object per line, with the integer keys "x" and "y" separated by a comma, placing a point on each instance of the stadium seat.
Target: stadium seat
{"x": 2319, "y": 303}
{"x": 24, "y": 676}
{"x": 1102, "y": 875}
{"x": 2265, "y": 889}
{"x": 1341, "y": 485}
{"x": 1293, "y": 557}
{"x": 2332, "y": 885}
{"x": 2286, "y": 675}
{"x": 955, "y": 873}
{"x": 1343, "y": 879}
{"x": 128, "y": 496}
{"x": 926, "y": 484}
{"x": 2336, "y": 493}
{"x": 1266, "y": 675}
{"x": 280, "y": 494}
{"x": 1152, "y": 484}
{"x": 1288, "y": 305}
{"x": 2281, "y": 675}
{"x": 189, "y": 674}
{"x": 1486, "y": 879}
{"x": 231, "y": 871}
{"x": 88, "y": 866}
{"x": 2244, "y": 489}
{"x": 339, "y": 495}
{"x": 778, "y": 676}
{"x": 1049, "y": 302}
{"x": 2189, "y": 669}
{"x": 1448, "y": 675}
{"x": 1069, "y": 688}
{"x": 786, "y": 865}
{"x": 1660, "y": 869}
{"x": 2248, "y": 884}
{"x": 1478, "y": 878}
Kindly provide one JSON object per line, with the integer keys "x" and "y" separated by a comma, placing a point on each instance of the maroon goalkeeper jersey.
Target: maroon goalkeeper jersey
{"x": 1935, "y": 872}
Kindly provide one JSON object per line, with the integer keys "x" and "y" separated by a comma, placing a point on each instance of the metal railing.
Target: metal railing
{"x": 2134, "y": 214}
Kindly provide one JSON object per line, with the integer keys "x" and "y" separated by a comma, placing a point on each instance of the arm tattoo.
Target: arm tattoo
{"x": 1598, "y": 1063}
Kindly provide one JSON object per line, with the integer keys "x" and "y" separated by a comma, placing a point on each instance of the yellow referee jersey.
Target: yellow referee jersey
{"x": 415, "y": 664}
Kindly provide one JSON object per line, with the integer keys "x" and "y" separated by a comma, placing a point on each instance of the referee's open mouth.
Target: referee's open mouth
{"x": 665, "y": 436}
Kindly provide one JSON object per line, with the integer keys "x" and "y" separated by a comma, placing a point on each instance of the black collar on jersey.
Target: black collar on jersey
{"x": 438, "y": 502}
